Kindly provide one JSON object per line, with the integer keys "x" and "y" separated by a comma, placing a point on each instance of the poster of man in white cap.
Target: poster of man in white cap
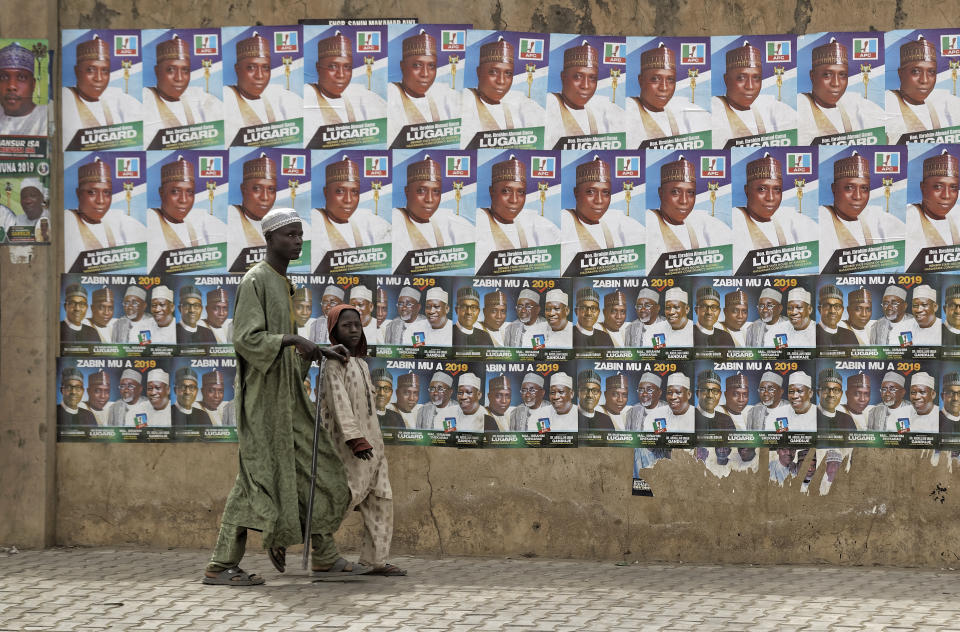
{"x": 863, "y": 194}
{"x": 416, "y": 400}
{"x": 933, "y": 185}
{"x": 419, "y": 312}
{"x": 25, "y": 201}
{"x": 600, "y": 236}
{"x": 755, "y": 98}
{"x": 921, "y": 100}
{"x": 102, "y": 83}
{"x": 263, "y": 179}
{"x": 688, "y": 199}
{"x": 182, "y": 86}
{"x": 840, "y": 85}
{"x": 345, "y": 86}
{"x": 504, "y": 89}
{"x": 263, "y": 86}
{"x": 187, "y": 211}
{"x": 24, "y": 84}
{"x": 586, "y": 92}
{"x": 797, "y": 329}
{"x": 518, "y": 212}
{"x": 434, "y": 200}
{"x": 423, "y": 94}
{"x": 105, "y": 211}
{"x": 350, "y": 222}
{"x": 664, "y": 107}
{"x": 777, "y": 232}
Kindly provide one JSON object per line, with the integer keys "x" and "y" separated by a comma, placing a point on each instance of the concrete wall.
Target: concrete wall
{"x": 558, "y": 503}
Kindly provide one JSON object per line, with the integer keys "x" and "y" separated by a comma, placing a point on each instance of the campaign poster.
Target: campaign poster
{"x": 351, "y": 230}
{"x": 419, "y": 318}
{"x": 921, "y": 99}
{"x": 532, "y": 405}
{"x": 584, "y": 105}
{"x": 878, "y": 403}
{"x": 786, "y": 463}
{"x": 688, "y": 218}
{"x": 600, "y": 237}
{"x": 863, "y": 199}
{"x": 756, "y": 403}
{"x": 768, "y": 187}
{"x": 263, "y": 179}
{"x": 423, "y": 93}
{"x": 315, "y": 295}
{"x": 24, "y": 200}
{"x": 663, "y": 106}
{"x": 949, "y": 402}
{"x": 263, "y": 86}
{"x": 416, "y": 400}
{"x": 840, "y": 85}
{"x": 435, "y": 202}
{"x": 754, "y": 100}
{"x": 950, "y": 302}
{"x": 25, "y": 77}
{"x": 518, "y": 212}
{"x": 182, "y": 86}
{"x": 933, "y": 182}
{"x": 203, "y": 315}
{"x": 345, "y": 86}
{"x": 187, "y": 211}
{"x": 202, "y": 407}
{"x": 106, "y": 204}
{"x": 504, "y": 91}
{"x": 102, "y": 85}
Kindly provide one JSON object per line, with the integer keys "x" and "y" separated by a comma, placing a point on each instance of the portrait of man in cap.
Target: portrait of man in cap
{"x": 175, "y": 225}
{"x": 91, "y": 226}
{"x": 20, "y": 115}
{"x": 98, "y": 396}
{"x": 592, "y": 225}
{"x": 136, "y": 317}
{"x": 466, "y": 333}
{"x": 189, "y": 329}
{"x": 422, "y": 223}
{"x": 676, "y": 225}
{"x": 219, "y": 410}
{"x": 341, "y": 223}
{"x": 506, "y": 224}
{"x": 362, "y": 298}
{"x": 442, "y": 404}
{"x": 761, "y": 220}
{"x": 896, "y": 327}
{"x": 91, "y": 102}
{"x": 950, "y": 410}
{"x": 564, "y": 414}
{"x": 649, "y": 390}
{"x": 800, "y": 395}
{"x": 258, "y": 191}
{"x": 494, "y": 316}
{"x": 857, "y": 399}
{"x": 589, "y": 392}
{"x": 436, "y": 309}
{"x": 648, "y": 313}
{"x": 172, "y": 101}
{"x": 335, "y": 98}
{"x": 34, "y": 202}
{"x": 493, "y": 105}
{"x": 894, "y": 404}
{"x": 615, "y": 397}
{"x": 74, "y": 328}
{"x": 860, "y": 314}
{"x": 382, "y": 394}
{"x": 851, "y": 221}
{"x": 556, "y": 311}
{"x": 655, "y": 113}
{"x": 529, "y": 323}
{"x": 70, "y": 412}
{"x": 158, "y": 394}
{"x": 743, "y": 111}
{"x": 736, "y": 399}
{"x": 927, "y": 325}
{"x": 586, "y": 333}
{"x": 132, "y": 402}
{"x": 707, "y": 416}
{"x": 706, "y": 333}
{"x": 331, "y": 297}
{"x": 417, "y": 98}
{"x": 798, "y": 328}
{"x": 917, "y": 104}
{"x": 217, "y": 318}
{"x": 499, "y": 401}
{"x": 950, "y": 337}
{"x": 736, "y": 313}
{"x": 932, "y": 223}
{"x": 101, "y": 313}
{"x": 302, "y": 300}
{"x": 253, "y": 100}
{"x": 676, "y": 329}
{"x": 830, "y": 108}
{"x": 773, "y": 412}
{"x": 680, "y": 413}
{"x": 925, "y": 413}
{"x": 574, "y": 111}
{"x": 523, "y": 418}
{"x": 185, "y": 412}
{"x": 830, "y": 331}
{"x": 614, "y": 317}
{"x": 399, "y": 330}
{"x": 769, "y": 310}
{"x": 471, "y": 416}
{"x": 163, "y": 329}
{"x": 830, "y": 392}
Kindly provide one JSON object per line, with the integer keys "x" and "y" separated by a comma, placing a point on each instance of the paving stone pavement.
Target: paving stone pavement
{"x": 106, "y": 589}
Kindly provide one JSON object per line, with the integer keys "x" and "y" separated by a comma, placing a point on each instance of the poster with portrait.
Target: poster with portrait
{"x": 102, "y": 83}
{"x": 24, "y": 108}
{"x": 314, "y": 295}
{"x": 532, "y": 405}
{"x": 933, "y": 243}
{"x": 201, "y": 399}
{"x": 24, "y": 200}
{"x": 204, "y": 313}
{"x": 418, "y": 321}
{"x": 182, "y": 87}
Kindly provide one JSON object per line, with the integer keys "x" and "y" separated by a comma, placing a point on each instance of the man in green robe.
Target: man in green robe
{"x": 275, "y": 424}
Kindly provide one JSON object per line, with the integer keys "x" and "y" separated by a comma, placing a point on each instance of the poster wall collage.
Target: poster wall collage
{"x": 726, "y": 242}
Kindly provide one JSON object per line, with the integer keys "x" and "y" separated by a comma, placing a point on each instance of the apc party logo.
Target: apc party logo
{"x": 376, "y": 166}
{"x": 543, "y": 167}
{"x": 206, "y": 44}
{"x": 293, "y": 165}
{"x": 453, "y": 41}
{"x": 126, "y": 45}
{"x": 713, "y": 166}
{"x": 531, "y": 49}
{"x": 693, "y": 54}
{"x": 778, "y": 51}
{"x": 628, "y": 166}
{"x": 127, "y": 167}
{"x": 211, "y": 167}
{"x": 458, "y": 167}
{"x": 950, "y": 45}
{"x": 615, "y": 53}
{"x": 799, "y": 164}
{"x": 886, "y": 162}
{"x": 368, "y": 41}
{"x": 866, "y": 48}
{"x": 286, "y": 42}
